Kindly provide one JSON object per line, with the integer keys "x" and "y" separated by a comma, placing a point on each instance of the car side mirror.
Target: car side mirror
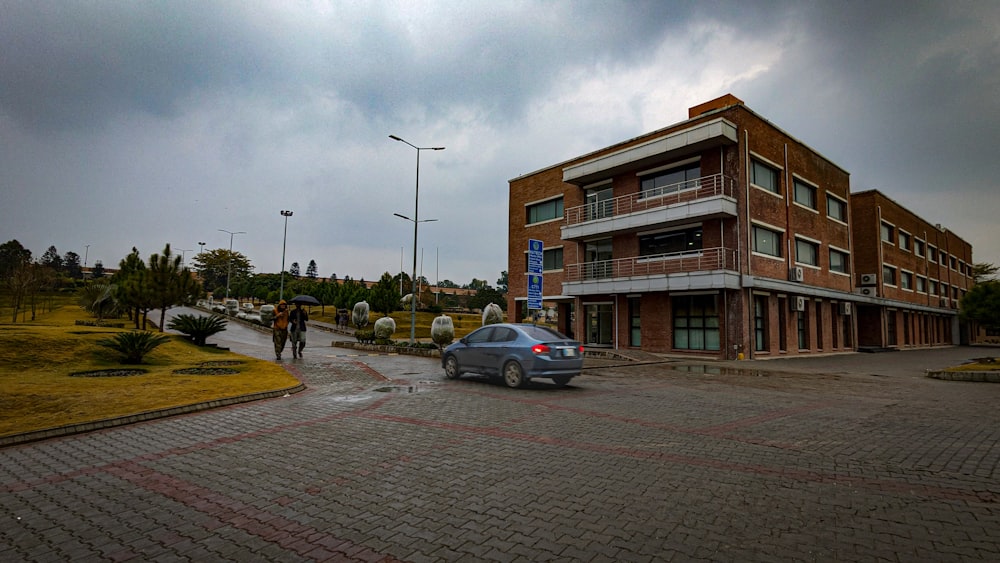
{"x": 462, "y": 340}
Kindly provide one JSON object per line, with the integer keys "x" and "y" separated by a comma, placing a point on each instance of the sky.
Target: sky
{"x": 137, "y": 124}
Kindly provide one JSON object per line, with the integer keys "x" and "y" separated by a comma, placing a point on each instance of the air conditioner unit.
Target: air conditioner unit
{"x": 846, "y": 308}
{"x": 944, "y": 301}
{"x": 867, "y": 291}
{"x": 798, "y": 303}
{"x": 796, "y": 274}
{"x": 869, "y": 279}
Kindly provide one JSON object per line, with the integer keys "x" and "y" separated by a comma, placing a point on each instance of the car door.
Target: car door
{"x": 498, "y": 347}
{"x": 473, "y": 356}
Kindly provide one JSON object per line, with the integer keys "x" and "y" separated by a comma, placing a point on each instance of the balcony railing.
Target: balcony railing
{"x": 661, "y": 264}
{"x": 682, "y": 192}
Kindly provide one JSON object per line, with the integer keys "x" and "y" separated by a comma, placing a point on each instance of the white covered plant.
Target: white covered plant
{"x": 442, "y": 331}
{"x": 492, "y": 314}
{"x": 384, "y": 328}
{"x": 359, "y": 316}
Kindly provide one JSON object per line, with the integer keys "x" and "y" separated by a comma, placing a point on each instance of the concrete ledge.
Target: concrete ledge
{"x": 384, "y": 349}
{"x": 82, "y": 427}
{"x": 976, "y": 376}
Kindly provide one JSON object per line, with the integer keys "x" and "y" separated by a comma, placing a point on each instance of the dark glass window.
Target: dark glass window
{"x": 545, "y": 211}
{"x": 670, "y": 242}
{"x": 671, "y": 180}
{"x": 696, "y": 322}
{"x": 763, "y": 176}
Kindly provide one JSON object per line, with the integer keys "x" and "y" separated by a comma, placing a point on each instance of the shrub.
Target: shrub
{"x": 133, "y": 345}
{"x": 492, "y": 314}
{"x": 197, "y": 327}
{"x": 365, "y": 336}
{"x": 442, "y": 331}
{"x": 384, "y": 328}
{"x": 360, "y": 314}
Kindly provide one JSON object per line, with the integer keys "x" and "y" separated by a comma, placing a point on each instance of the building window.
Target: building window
{"x": 932, "y": 253}
{"x": 696, "y": 322}
{"x": 954, "y": 263}
{"x": 805, "y": 194}
{"x": 634, "y": 324}
{"x": 671, "y": 180}
{"x": 597, "y": 255}
{"x": 918, "y": 247}
{"x": 921, "y": 284}
{"x": 819, "y": 325}
{"x": 599, "y": 319}
{"x": 782, "y": 325}
{"x": 904, "y": 240}
{"x": 806, "y": 252}
{"x": 932, "y": 288}
{"x": 890, "y": 327}
{"x": 763, "y": 176}
{"x": 906, "y": 280}
{"x": 552, "y": 259}
{"x": 599, "y": 202}
{"x": 838, "y": 261}
{"x": 944, "y": 258}
{"x": 888, "y": 232}
{"x": 670, "y": 242}
{"x": 836, "y": 208}
{"x": 545, "y": 211}
{"x": 760, "y": 323}
{"x": 766, "y": 241}
{"x": 888, "y": 275}
{"x": 802, "y": 325}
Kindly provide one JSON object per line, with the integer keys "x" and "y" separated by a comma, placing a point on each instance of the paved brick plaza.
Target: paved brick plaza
{"x": 382, "y": 459}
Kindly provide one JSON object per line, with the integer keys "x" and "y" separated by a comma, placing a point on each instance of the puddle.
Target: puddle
{"x": 420, "y": 387}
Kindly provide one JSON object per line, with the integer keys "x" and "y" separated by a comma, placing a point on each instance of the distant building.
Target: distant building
{"x": 721, "y": 236}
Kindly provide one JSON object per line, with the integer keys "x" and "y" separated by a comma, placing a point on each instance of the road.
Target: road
{"x": 383, "y": 459}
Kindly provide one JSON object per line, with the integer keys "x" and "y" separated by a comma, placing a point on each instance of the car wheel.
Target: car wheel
{"x": 451, "y": 368}
{"x": 513, "y": 375}
{"x": 561, "y": 380}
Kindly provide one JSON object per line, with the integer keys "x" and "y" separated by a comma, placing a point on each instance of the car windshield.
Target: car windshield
{"x": 542, "y": 333}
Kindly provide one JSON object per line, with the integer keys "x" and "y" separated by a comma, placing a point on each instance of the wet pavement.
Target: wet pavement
{"x": 383, "y": 459}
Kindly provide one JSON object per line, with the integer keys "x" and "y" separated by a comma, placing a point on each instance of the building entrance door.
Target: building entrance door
{"x": 600, "y": 322}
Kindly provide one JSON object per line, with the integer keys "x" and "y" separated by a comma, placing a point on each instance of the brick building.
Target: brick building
{"x": 910, "y": 276}
{"x": 721, "y": 235}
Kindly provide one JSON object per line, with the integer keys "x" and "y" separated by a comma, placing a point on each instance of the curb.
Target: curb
{"x": 976, "y": 376}
{"x": 385, "y": 349}
{"x": 82, "y": 427}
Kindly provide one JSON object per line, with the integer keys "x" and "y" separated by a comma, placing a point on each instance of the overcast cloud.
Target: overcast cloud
{"x": 141, "y": 123}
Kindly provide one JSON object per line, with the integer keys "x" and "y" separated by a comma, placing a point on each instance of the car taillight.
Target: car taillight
{"x": 540, "y": 349}
{"x": 580, "y": 348}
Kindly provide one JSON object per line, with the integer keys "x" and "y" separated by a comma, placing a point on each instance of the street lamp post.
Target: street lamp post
{"x": 201, "y": 248}
{"x": 229, "y": 266}
{"x": 281, "y": 292}
{"x": 86, "y": 253}
{"x": 416, "y": 222}
{"x": 182, "y": 251}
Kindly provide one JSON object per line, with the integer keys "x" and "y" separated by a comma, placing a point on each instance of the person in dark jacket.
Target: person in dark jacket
{"x": 297, "y": 329}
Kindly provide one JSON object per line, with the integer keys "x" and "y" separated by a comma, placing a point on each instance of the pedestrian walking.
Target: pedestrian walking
{"x": 279, "y": 328}
{"x": 297, "y": 329}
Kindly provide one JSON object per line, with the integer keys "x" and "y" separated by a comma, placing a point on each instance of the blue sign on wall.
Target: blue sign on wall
{"x": 535, "y": 252}
{"x": 534, "y": 291}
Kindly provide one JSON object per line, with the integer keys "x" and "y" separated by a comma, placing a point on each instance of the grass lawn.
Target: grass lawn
{"x": 38, "y": 360}
{"x": 464, "y": 322}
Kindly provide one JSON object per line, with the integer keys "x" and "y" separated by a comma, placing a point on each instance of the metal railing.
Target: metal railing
{"x": 681, "y": 192}
{"x": 661, "y": 264}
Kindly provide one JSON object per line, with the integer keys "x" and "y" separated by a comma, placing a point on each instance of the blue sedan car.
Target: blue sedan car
{"x": 517, "y": 352}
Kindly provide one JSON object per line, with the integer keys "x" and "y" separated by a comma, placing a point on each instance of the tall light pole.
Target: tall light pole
{"x": 201, "y": 248}
{"x": 86, "y": 253}
{"x": 182, "y": 251}
{"x": 229, "y": 266}
{"x": 281, "y": 292}
{"x": 416, "y": 222}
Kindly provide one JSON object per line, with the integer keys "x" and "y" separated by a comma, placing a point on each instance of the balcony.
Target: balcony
{"x": 704, "y": 198}
{"x": 709, "y": 268}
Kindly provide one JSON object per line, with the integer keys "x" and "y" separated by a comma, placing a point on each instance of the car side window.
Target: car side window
{"x": 503, "y": 334}
{"x": 480, "y": 336}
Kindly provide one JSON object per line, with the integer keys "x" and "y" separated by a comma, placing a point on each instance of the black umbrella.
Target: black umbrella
{"x": 305, "y": 300}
